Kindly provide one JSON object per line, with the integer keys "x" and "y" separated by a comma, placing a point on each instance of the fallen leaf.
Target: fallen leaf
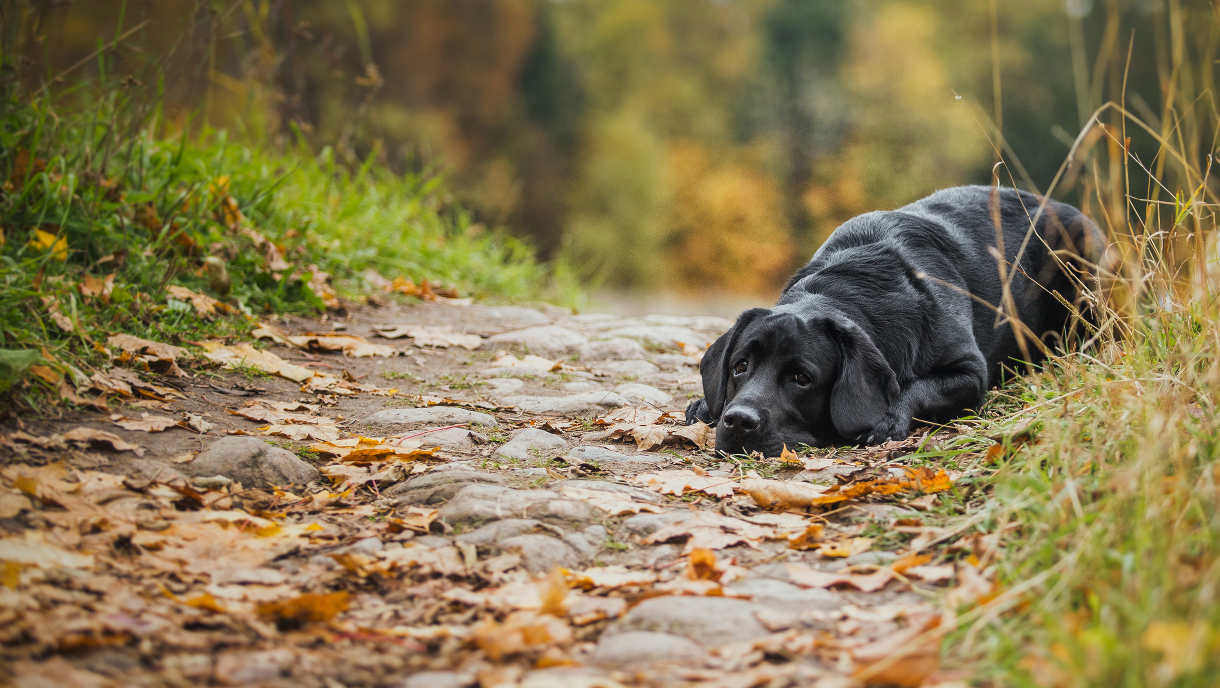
{"x": 611, "y": 577}
{"x": 707, "y": 530}
{"x": 701, "y": 565}
{"x": 145, "y": 348}
{"x": 907, "y": 658}
{"x": 56, "y": 245}
{"x": 145, "y": 423}
{"x": 349, "y": 344}
{"x": 783, "y": 494}
{"x": 845, "y": 548}
{"x": 536, "y": 365}
{"x": 611, "y": 503}
{"x": 809, "y": 577}
{"x": 438, "y": 337}
{"x": 910, "y": 561}
{"x": 931, "y": 574}
{"x": 922, "y": 479}
{"x": 61, "y": 321}
{"x": 89, "y": 437}
{"x": 809, "y": 539}
{"x": 520, "y": 632}
{"x": 100, "y": 288}
{"x": 272, "y": 411}
{"x": 319, "y": 284}
{"x": 305, "y": 609}
{"x": 243, "y": 354}
{"x": 679, "y": 482}
{"x": 552, "y": 592}
{"x": 198, "y": 423}
{"x": 204, "y": 305}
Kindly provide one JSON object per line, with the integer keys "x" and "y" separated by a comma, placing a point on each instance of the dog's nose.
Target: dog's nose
{"x": 742, "y": 419}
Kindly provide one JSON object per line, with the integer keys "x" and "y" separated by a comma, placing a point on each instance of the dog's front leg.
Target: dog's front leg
{"x": 943, "y": 393}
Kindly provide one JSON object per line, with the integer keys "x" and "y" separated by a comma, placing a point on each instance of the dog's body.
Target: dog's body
{"x": 895, "y": 318}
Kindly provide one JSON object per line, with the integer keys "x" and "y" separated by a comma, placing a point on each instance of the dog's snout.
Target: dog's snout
{"x": 742, "y": 419}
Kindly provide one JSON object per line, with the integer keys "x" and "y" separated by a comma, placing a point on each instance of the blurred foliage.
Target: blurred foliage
{"x": 656, "y": 144}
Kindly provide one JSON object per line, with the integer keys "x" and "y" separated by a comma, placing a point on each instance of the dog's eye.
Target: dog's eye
{"x": 740, "y": 368}
{"x": 801, "y": 379}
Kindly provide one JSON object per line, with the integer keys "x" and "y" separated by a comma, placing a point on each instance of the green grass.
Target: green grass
{"x": 95, "y": 194}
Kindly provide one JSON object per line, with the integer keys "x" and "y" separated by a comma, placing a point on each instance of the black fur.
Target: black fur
{"x": 880, "y": 327}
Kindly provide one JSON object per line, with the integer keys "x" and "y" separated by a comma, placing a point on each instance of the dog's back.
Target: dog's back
{"x": 946, "y": 245}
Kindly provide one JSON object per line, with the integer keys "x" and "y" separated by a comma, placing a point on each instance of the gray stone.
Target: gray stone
{"x": 442, "y": 415}
{"x": 615, "y": 348}
{"x": 664, "y": 336}
{"x": 645, "y": 647}
{"x": 439, "y": 485}
{"x": 567, "y": 677}
{"x": 594, "y": 319}
{"x": 452, "y": 438}
{"x": 635, "y": 391}
{"x": 496, "y": 531}
{"x": 514, "y": 317}
{"x": 542, "y": 553}
{"x": 487, "y": 502}
{"x": 636, "y": 493}
{"x": 587, "y": 402}
{"x": 634, "y": 368}
{"x": 577, "y": 386}
{"x": 437, "y": 679}
{"x": 546, "y": 339}
{"x": 368, "y": 545}
{"x": 871, "y": 558}
{"x": 602, "y": 456}
{"x": 774, "y": 592}
{"x": 675, "y": 361}
{"x": 532, "y": 443}
{"x": 709, "y": 621}
{"x": 647, "y": 524}
{"x": 252, "y": 462}
{"x": 501, "y": 386}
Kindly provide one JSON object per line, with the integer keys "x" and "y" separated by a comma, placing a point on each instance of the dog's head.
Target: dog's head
{"x": 786, "y": 377}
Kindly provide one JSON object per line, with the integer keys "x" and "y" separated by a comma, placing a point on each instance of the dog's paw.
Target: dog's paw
{"x": 697, "y": 411}
{"x": 892, "y": 427}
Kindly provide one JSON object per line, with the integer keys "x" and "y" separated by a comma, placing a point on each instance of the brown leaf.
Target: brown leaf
{"x": 349, "y": 344}
{"x": 100, "y": 288}
{"x": 845, "y": 548}
{"x": 707, "y": 530}
{"x": 305, "y": 609}
{"x": 204, "y": 305}
{"x": 198, "y": 423}
{"x": 783, "y": 494}
{"x": 611, "y": 577}
{"x": 808, "y": 539}
{"x": 145, "y": 423}
{"x": 803, "y": 575}
{"x": 90, "y": 437}
{"x": 438, "y": 337}
{"x": 520, "y": 632}
{"x": 701, "y": 565}
{"x": 552, "y": 592}
{"x": 679, "y": 482}
{"x": 922, "y": 479}
{"x": 700, "y": 434}
{"x": 907, "y": 658}
{"x": 245, "y": 355}
{"x": 137, "y": 346}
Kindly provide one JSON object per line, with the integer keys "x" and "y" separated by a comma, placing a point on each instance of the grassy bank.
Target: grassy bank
{"x": 1100, "y": 517}
{"x": 101, "y": 217}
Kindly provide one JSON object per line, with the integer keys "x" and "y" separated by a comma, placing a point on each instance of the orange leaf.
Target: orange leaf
{"x": 308, "y": 608}
{"x": 910, "y": 561}
{"x": 808, "y": 539}
{"x": 701, "y": 565}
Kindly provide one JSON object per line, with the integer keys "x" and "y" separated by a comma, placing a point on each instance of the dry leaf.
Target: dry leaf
{"x": 808, "y": 577}
{"x": 198, "y": 423}
{"x": 305, "y": 609}
{"x": 708, "y": 530}
{"x": 271, "y": 411}
{"x": 845, "y": 548}
{"x": 520, "y": 632}
{"x": 94, "y": 287}
{"x": 536, "y": 365}
{"x": 611, "y": 577}
{"x": 204, "y": 305}
{"x": 439, "y": 337}
{"x": 245, "y": 355}
{"x": 90, "y": 437}
{"x": 349, "y": 344}
{"x": 783, "y": 494}
{"x": 146, "y": 349}
{"x": 922, "y": 479}
{"x": 907, "y": 658}
{"x": 679, "y": 482}
{"x": 809, "y": 539}
{"x": 145, "y": 423}
{"x": 300, "y": 432}
{"x": 701, "y": 565}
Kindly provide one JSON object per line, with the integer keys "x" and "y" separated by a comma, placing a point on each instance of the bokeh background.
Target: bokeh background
{"x": 662, "y": 146}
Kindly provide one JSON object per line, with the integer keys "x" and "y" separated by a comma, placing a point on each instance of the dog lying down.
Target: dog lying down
{"x": 894, "y": 320}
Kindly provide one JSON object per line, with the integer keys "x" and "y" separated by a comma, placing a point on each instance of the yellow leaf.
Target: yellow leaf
{"x": 308, "y": 608}
{"x": 57, "y": 245}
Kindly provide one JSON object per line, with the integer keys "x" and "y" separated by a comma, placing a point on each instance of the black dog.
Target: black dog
{"x": 896, "y": 318}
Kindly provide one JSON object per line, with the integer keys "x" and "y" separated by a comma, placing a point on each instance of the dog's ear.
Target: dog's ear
{"x": 866, "y": 384}
{"x": 715, "y": 371}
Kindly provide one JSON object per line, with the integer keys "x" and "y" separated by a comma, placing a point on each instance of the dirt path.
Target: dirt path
{"x": 528, "y": 511}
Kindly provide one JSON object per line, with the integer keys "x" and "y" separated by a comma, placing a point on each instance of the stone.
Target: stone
{"x": 774, "y": 592}
{"x": 635, "y": 391}
{"x": 501, "y": 386}
{"x": 514, "y": 317}
{"x": 645, "y": 647}
{"x": 586, "y": 402}
{"x": 566, "y": 677}
{"x": 439, "y": 485}
{"x": 542, "y": 553}
{"x": 637, "y": 368}
{"x": 494, "y": 532}
{"x": 577, "y": 386}
{"x": 252, "y": 462}
{"x": 711, "y": 323}
{"x": 450, "y": 438}
{"x": 676, "y": 362}
{"x": 619, "y": 348}
{"x": 546, "y": 339}
{"x": 476, "y": 503}
{"x": 599, "y": 456}
{"x": 439, "y": 415}
{"x": 709, "y": 621}
{"x": 436, "y": 679}
{"x": 646, "y": 524}
{"x": 630, "y": 491}
{"x": 532, "y": 443}
{"x": 665, "y": 336}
